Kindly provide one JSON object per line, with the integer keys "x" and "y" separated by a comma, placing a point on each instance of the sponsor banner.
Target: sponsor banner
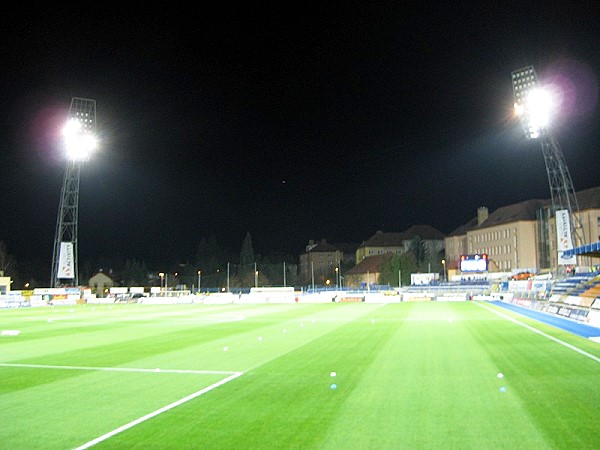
{"x": 66, "y": 261}
{"x": 351, "y": 299}
{"x": 12, "y": 302}
{"x": 64, "y": 302}
{"x": 564, "y": 240}
{"x": 50, "y": 291}
{"x": 541, "y": 285}
{"x": 579, "y": 314}
{"x": 118, "y": 290}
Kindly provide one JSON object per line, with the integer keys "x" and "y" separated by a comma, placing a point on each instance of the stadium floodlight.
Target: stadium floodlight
{"x": 80, "y": 140}
{"x": 535, "y": 106}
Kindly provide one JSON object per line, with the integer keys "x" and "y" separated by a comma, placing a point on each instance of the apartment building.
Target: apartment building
{"x": 522, "y": 236}
{"x": 398, "y": 243}
{"x": 319, "y": 261}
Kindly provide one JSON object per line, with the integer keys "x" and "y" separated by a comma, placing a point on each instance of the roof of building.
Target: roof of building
{"x": 371, "y": 264}
{"x": 346, "y": 247}
{"x": 381, "y": 239}
{"x": 102, "y": 274}
{"x": 323, "y": 247}
{"x": 527, "y": 210}
{"x": 517, "y": 212}
{"x": 462, "y": 230}
{"x": 589, "y": 198}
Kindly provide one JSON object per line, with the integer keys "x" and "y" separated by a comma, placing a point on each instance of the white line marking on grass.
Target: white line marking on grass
{"x": 159, "y": 411}
{"x": 119, "y": 369}
{"x": 541, "y": 333}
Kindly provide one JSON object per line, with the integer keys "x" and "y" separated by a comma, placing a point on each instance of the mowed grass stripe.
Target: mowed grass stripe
{"x": 284, "y": 403}
{"x": 432, "y": 386}
{"x": 129, "y": 340}
{"x": 110, "y": 326}
{"x": 32, "y": 384}
{"x": 409, "y": 376}
{"x": 558, "y": 384}
{"x": 71, "y": 411}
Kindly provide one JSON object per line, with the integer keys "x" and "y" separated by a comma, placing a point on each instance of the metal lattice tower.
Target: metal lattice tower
{"x": 562, "y": 193}
{"x": 83, "y": 114}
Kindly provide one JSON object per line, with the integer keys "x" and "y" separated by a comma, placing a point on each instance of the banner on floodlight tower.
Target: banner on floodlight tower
{"x": 563, "y": 236}
{"x": 66, "y": 261}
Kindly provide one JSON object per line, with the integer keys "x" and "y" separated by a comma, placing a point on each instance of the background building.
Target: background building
{"x": 522, "y": 236}
{"x": 430, "y": 239}
{"x": 367, "y": 272}
{"x": 319, "y": 262}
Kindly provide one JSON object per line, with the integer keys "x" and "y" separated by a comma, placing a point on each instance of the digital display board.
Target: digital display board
{"x": 474, "y": 263}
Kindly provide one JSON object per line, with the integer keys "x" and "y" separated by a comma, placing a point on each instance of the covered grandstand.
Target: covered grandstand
{"x": 592, "y": 250}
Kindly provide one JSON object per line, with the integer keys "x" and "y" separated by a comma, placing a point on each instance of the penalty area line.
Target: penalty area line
{"x": 159, "y": 411}
{"x": 118, "y": 369}
{"x": 541, "y": 333}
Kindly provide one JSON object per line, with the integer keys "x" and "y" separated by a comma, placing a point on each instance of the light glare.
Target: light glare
{"x": 539, "y": 104}
{"x": 79, "y": 143}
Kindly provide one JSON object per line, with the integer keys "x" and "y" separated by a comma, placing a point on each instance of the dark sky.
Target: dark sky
{"x": 291, "y": 123}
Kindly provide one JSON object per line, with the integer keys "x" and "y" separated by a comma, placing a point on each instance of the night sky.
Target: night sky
{"x": 290, "y": 123}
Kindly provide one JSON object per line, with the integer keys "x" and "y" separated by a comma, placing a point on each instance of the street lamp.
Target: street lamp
{"x": 80, "y": 140}
{"x": 534, "y": 105}
{"x": 444, "y": 266}
{"x": 162, "y": 279}
{"x": 199, "y": 279}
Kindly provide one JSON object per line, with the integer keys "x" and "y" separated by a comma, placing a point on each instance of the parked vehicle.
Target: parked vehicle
{"x": 522, "y": 276}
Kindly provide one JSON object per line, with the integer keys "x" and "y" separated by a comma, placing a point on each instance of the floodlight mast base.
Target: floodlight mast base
{"x": 84, "y": 111}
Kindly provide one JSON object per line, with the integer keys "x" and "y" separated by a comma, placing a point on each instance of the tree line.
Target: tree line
{"x": 215, "y": 268}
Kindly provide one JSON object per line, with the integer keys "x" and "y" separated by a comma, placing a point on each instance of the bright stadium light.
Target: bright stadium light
{"x": 535, "y": 106}
{"x": 79, "y": 142}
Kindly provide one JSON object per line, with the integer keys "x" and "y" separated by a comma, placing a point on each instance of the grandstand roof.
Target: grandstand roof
{"x": 586, "y": 250}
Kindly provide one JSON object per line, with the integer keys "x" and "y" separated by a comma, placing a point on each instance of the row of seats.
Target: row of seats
{"x": 579, "y": 285}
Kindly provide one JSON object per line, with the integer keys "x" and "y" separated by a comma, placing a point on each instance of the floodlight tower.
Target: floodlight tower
{"x": 533, "y": 104}
{"x": 80, "y": 139}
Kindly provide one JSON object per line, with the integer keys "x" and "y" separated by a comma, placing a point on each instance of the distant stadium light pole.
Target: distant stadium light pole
{"x": 533, "y": 104}
{"x": 80, "y": 140}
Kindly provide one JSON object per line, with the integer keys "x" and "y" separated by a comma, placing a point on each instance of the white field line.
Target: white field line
{"x": 232, "y": 376}
{"x": 541, "y": 333}
{"x": 120, "y": 369}
{"x": 159, "y": 411}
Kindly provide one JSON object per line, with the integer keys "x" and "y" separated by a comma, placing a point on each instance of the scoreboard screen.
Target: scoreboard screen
{"x": 474, "y": 263}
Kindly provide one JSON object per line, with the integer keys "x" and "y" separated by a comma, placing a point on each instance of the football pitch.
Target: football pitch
{"x": 462, "y": 375}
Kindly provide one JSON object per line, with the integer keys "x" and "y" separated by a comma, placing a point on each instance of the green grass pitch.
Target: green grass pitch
{"x": 408, "y": 376}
